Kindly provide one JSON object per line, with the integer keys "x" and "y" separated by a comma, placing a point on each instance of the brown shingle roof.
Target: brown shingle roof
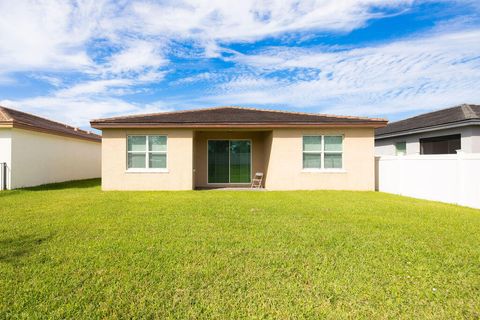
{"x": 464, "y": 113}
{"x": 18, "y": 119}
{"x": 233, "y": 117}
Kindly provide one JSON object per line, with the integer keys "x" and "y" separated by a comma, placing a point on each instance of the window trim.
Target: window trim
{"x": 322, "y": 154}
{"x": 147, "y": 154}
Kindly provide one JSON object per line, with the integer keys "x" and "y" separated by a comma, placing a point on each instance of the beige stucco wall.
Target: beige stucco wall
{"x": 201, "y": 152}
{"x": 179, "y": 175}
{"x": 285, "y": 161}
{"x": 40, "y": 158}
{"x": 277, "y": 153}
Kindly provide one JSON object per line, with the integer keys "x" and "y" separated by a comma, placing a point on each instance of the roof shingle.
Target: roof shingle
{"x": 231, "y": 116}
{"x": 29, "y": 121}
{"x": 454, "y": 115}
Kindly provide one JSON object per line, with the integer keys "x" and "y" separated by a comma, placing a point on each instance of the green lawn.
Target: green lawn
{"x": 73, "y": 251}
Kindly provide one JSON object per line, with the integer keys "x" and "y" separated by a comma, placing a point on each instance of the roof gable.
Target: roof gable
{"x": 459, "y": 114}
{"x": 231, "y": 116}
{"x": 23, "y": 120}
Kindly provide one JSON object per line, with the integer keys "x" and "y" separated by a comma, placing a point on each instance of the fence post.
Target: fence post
{"x": 4, "y": 175}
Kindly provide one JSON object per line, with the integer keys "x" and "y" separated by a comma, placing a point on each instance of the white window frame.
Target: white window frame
{"x": 322, "y": 154}
{"x": 147, "y": 154}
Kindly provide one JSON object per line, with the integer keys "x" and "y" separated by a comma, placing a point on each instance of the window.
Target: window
{"x": 147, "y": 152}
{"x": 441, "y": 145}
{"x": 401, "y": 148}
{"x": 322, "y": 152}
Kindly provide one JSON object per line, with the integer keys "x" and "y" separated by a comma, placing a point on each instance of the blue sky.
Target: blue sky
{"x": 76, "y": 61}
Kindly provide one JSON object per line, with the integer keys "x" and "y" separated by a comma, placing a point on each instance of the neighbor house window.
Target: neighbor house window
{"x": 401, "y": 148}
{"x": 147, "y": 152}
{"x": 441, "y": 145}
{"x": 322, "y": 152}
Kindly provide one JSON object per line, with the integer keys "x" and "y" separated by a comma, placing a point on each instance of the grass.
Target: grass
{"x": 72, "y": 251}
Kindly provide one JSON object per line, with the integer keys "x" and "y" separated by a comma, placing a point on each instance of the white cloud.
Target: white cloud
{"x": 55, "y": 34}
{"x": 45, "y": 34}
{"x": 94, "y": 87}
{"x": 84, "y": 101}
{"x": 249, "y": 83}
{"x": 114, "y": 48}
{"x": 138, "y": 56}
{"x": 79, "y": 110}
{"x": 414, "y": 74}
{"x": 249, "y": 19}
{"x": 59, "y": 36}
{"x": 54, "y": 81}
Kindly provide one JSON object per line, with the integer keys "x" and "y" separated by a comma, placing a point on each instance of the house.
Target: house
{"x": 226, "y": 146}
{"x": 440, "y": 132}
{"x": 35, "y": 151}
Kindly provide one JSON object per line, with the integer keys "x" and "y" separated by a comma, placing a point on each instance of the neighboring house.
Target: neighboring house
{"x": 35, "y": 151}
{"x": 226, "y": 146}
{"x": 440, "y": 132}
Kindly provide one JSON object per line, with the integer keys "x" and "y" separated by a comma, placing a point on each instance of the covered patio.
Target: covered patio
{"x": 229, "y": 159}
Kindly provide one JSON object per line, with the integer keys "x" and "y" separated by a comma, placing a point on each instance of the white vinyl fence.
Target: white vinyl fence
{"x": 453, "y": 178}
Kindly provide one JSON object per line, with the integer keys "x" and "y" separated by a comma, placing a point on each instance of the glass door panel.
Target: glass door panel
{"x": 240, "y": 161}
{"x": 229, "y": 161}
{"x": 218, "y": 161}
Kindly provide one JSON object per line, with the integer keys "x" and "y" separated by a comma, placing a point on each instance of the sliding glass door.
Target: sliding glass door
{"x": 229, "y": 161}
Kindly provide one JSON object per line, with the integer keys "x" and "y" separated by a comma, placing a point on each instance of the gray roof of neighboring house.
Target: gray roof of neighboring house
{"x": 460, "y": 115}
{"x": 233, "y": 117}
{"x": 18, "y": 119}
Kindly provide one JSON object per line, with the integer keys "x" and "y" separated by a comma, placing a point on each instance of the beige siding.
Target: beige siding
{"x": 40, "y": 158}
{"x": 285, "y": 161}
{"x": 201, "y": 138}
{"x": 179, "y": 162}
